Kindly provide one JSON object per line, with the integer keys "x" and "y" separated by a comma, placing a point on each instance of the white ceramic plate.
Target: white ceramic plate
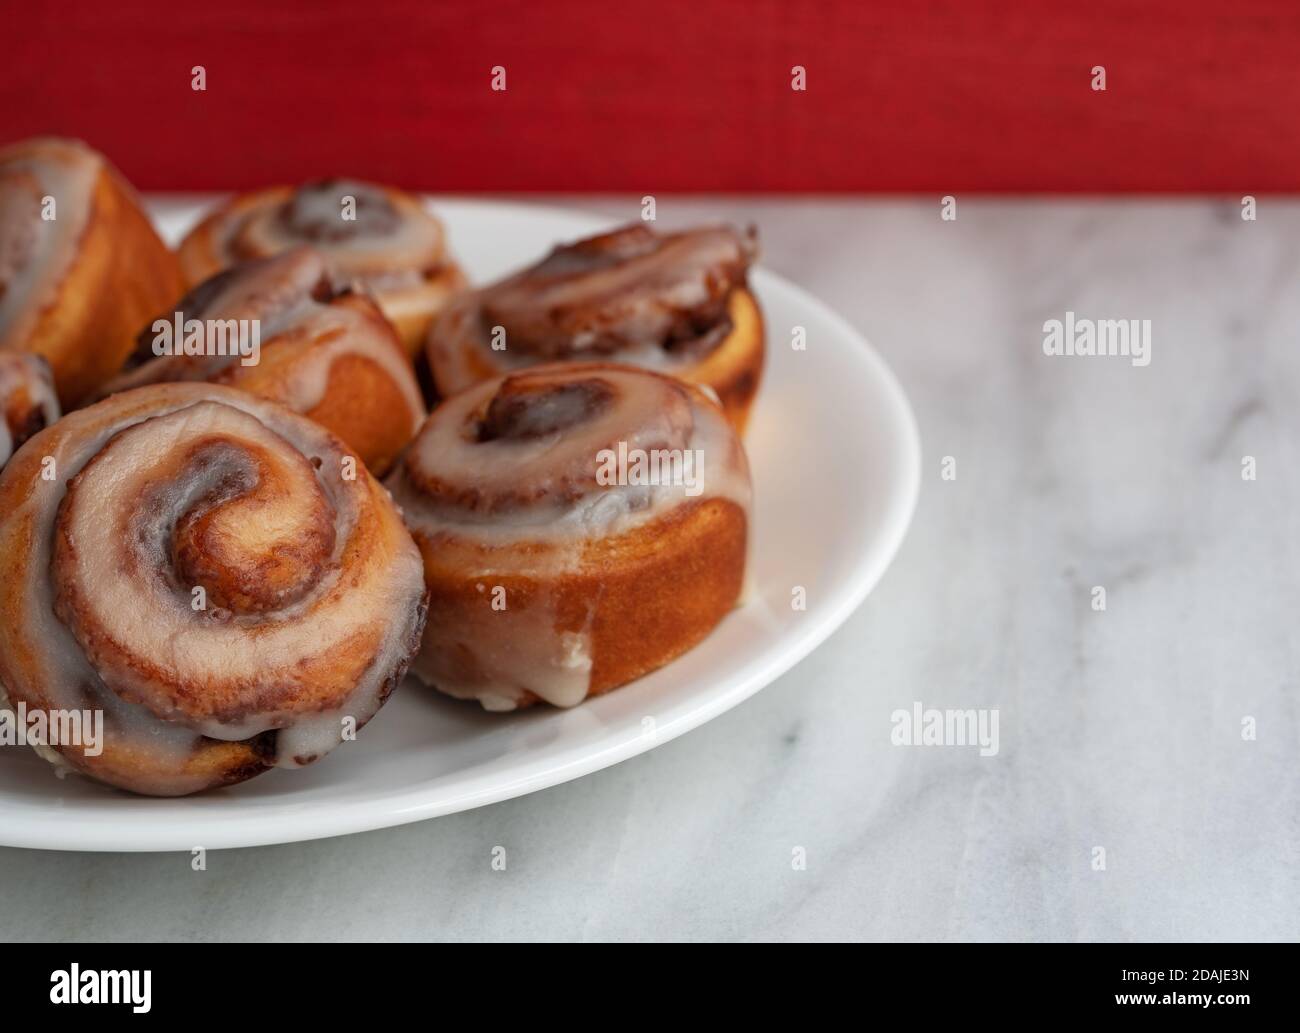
{"x": 835, "y": 457}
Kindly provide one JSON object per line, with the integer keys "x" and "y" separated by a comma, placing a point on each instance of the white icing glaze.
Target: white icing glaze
{"x": 615, "y": 297}
{"x": 36, "y": 253}
{"x": 179, "y": 449}
{"x": 392, "y": 242}
{"x": 25, "y": 387}
{"x": 652, "y": 413}
{"x": 512, "y": 651}
{"x": 535, "y": 505}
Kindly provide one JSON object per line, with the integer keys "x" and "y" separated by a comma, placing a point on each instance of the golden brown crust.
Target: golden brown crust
{"x": 121, "y": 274}
{"x": 370, "y": 406}
{"x": 364, "y": 406}
{"x": 734, "y": 370}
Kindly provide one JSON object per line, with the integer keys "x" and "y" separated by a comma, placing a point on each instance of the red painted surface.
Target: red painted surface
{"x": 955, "y": 96}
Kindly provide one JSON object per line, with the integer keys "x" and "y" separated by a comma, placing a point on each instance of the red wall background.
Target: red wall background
{"x": 670, "y": 96}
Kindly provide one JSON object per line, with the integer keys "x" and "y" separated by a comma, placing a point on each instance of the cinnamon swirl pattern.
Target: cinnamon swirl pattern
{"x": 80, "y": 265}
{"x": 326, "y": 353}
{"x": 677, "y": 303}
{"x": 195, "y": 562}
{"x": 390, "y": 245}
{"x": 557, "y": 571}
{"x": 27, "y": 400}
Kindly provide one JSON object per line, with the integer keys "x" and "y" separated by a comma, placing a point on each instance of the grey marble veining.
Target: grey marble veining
{"x": 1119, "y": 729}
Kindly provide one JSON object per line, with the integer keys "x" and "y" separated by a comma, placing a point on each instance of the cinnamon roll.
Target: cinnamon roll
{"x": 378, "y": 236}
{"x": 280, "y": 329}
{"x": 581, "y": 525}
{"x": 27, "y": 400}
{"x": 80, "y": 265}
{"x": 201, "y": 567}
{"x": 676, "y": 303}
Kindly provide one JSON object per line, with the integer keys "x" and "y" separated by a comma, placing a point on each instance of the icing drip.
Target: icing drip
{"x": 27, "y": 400}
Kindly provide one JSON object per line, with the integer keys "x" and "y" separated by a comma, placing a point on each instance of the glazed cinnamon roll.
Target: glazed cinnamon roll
{"x": 677, "y": 303}
{"x": 378, "y": 236}
{"x": 27, "y": 400}
{"x": 581, "y": 525}
{"x": 280, "y": 329}
{"x": 80, "y": 265}
{"x": 203, "y": 568}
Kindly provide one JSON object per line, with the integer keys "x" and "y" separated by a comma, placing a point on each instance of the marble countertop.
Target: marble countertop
{"x": 1126, "y": 730}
